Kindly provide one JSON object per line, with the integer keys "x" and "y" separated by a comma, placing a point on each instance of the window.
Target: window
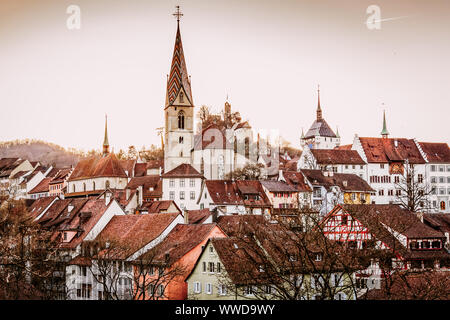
{"x": 318, "y": 257}
{"x": 441, "y": 168}
{"x": 151, "y": 289}
{"x": 182, "y": 183}
{"x": 93, "y": 185}
{"x": 192, "y": 195}
{"x": 361, "y": 167}
{"x": 181, "y": 96}
{"x": 208, "y": 288}
{"x": 172, "y": 195}
{"x": 218, "y": 267}
{"x": 222, "y": 289}
{"x": 211, "y": 267}
{"x": 84, "y": 271}
{"x": 180, "y": 140}
{"x": 160, "y": 290}
{"x": 181, "y": 195}
{"x": 441, "y": 180}
{"x": 107, "y": 184}
{"x": 84, "y": 187}
{"x": 441, "y": 191}
{"x": 181, "y": 120}
{"x": 197, "y": 287}
{"x": 390, "y": 192}
{"x": 172, "y": 183}
{"x": 191, "y": 183}
{"x": 344, "y": 220}
{"x": 248, "y": 290}
{"x": 211, "y": 249}
{"x": 381, "y": 165}
{"x": 346, "y": 166}
{"x": 381, "y": 192}
{"x": 353, "y": 167}
{"x": 420, "y": 178}
{"x": 65, "y": 236}
{"x": 433, "y": 168}
{"x": 204, "y": 266}
{"x": 433, "y": 179}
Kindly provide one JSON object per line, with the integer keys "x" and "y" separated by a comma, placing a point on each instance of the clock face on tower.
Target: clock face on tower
{"x": 396, "y": 168}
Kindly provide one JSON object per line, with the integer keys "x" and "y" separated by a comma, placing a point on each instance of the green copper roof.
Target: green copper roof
{"x": 385, "y": 131}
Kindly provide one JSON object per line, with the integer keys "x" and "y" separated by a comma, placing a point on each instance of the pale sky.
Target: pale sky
{"x": 57, "y": 84}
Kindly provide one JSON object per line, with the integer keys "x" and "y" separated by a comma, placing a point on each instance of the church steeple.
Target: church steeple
{"x": 105, "y": 140}
{"x": 319, "y": 110}
{"x": 384, "y": 132}
{"x": 178, "y": 82}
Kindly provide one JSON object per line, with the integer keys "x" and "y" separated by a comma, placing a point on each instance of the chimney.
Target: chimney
{"x": 140, "y": 195}
{"x": 107, "y": 198}
{"x": 186, "y": 216}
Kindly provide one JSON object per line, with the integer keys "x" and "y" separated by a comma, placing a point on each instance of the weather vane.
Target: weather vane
{"x": 178, "y": 13}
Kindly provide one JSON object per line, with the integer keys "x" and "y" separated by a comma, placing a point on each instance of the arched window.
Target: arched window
{"x": 181, "y": 97}
{"x": 181, "y": 120}
{"x": 84, "y": 187}
{"x": 107, "y": 184}
{"x": 93, "y": 185}
{"x": 442, "y": 205}
{"x": 180, "y": 139}
{"x": 73, "y": 187}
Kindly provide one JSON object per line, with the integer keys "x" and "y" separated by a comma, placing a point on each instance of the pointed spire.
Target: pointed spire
{"x": 105, "y": 141}
{"x": 384, "y": 132}
{"x": 303, "y": 134}
{"x": 337, "y": 132}
{"x": 319, "y": 110}
{"x": 178, "y": 79}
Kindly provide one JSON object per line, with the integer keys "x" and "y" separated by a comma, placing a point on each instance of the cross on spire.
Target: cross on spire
{"x": 177, "y": 13}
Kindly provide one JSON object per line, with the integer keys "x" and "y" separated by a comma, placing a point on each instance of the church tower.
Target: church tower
{"x": 105, "y": 140}
{"x": 319, "y": 135}
{"x": 179, "y": 109}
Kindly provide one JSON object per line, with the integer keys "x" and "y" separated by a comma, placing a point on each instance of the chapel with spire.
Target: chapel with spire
{"x": 320, "y": 135}
{"x": 178, "y": 109}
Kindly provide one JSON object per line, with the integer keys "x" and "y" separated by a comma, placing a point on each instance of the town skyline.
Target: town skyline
{"x": 119, "y": 67}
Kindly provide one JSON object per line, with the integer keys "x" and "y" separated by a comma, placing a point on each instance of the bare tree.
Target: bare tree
{"x": 412, "y": 191}
{"x": 248, "y": 172}
{"x": 28, "y": 256}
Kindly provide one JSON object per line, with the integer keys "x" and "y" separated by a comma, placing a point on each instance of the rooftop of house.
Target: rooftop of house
{"x": 198, "y": 216}
{"x": 278, "y": 186}
{"x": 184, "y": 170}
{"x": 346, "y": 182}
{"x": 129, "y": 233}
{"x": 296, "y": 180}
{"x": 182, "y": 239}
{"x": 41, "y": 187}
{"x": 385, "y": 150}
{"x": 160, "y": 206}
{"x": 438, "y": 221}
{"x": 237, "y": 192}
{"x": 337, "y": 156}
{"x": 436, "y": 152}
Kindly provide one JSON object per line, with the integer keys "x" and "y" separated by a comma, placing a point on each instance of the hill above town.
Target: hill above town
{"x": 36, "y": 150}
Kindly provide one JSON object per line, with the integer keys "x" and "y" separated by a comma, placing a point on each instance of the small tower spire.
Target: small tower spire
{"x": 384, "y": 132}
{"x": 337, "y": 132}
{"x": 319, "y": 110}
{"x": 105, "y": 141}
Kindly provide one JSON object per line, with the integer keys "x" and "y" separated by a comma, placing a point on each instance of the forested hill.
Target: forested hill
{"x": 36, "y": 150}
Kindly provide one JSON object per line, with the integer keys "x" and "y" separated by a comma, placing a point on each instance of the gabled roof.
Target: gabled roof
{"x": 40, "y": 205}
{"x": 385, "y": 150}
{"x": 93, "y": 167}
{"x": 85, "y": 219}
{"x": 144, "y": 181}
{"x": 133, "y": 232}
{"x": 337, "y": 156}
{"x": 159, "y": 206}
{"x": 198, "y": 216}
{"x": 438, "y": 221}
{"x": 182, "y": 239}
{"x": 436, "y": 152}
{"x": 277, "y": 186}
{"x": 7, "y": 165}
{"x": 42, "y": 186}
{"x": 235, "y": 224}
{"x": 228, "y": 192}
{"x": 296, "y": 180}
{"x": 61, "y": 176}
{"x": 184, "y": 170}
{"x": 347, "y": 182}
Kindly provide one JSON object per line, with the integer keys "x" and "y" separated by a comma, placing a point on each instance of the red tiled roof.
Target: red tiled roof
{"x": 232, "y": 192}
{"x": 159, "y": 206}
{"x": 96, "y": 208}
{"x": 41, "y": 187}
{"x": 60, "y": 176}
{"x": 145, "y": 181}
{"x": 436, "y": 152}
{"x": 296, "y": 180}
{"x": 182, "y": 171}
{"x": 128, "y": 166}
{"x": 344, "y": 147}
{"x": 438, "y": 221}
{"x": 277, "y": 186}
{"x": 337, "y": 156}
{"x": 40, "y": 205}
{"x": 383, "y": 150}
{"x": 198, "y": 216}
{"x": 132, "y": 232}
{"x": 182, "y": 239}
{"x": 232, "y": 225}
{"x": 80, "y": 261}
{"x": 108, "y": 166}
{"x": 347, "y": 182}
